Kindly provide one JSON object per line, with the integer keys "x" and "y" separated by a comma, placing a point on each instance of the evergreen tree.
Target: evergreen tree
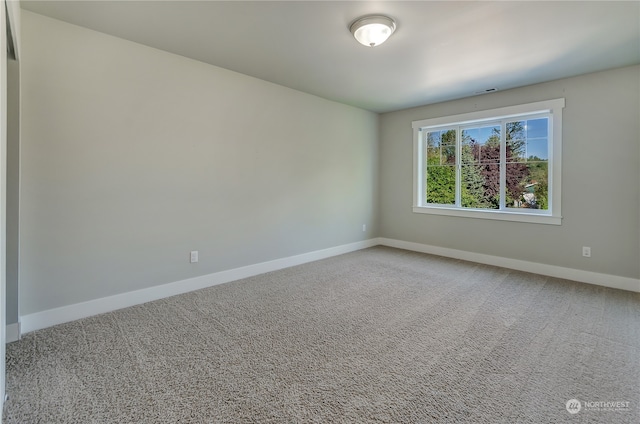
{"x": 517, "y": 170}
{"x": 472, "y": 193}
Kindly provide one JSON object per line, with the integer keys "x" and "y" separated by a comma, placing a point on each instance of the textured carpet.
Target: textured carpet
{"x": 379, "y": 335}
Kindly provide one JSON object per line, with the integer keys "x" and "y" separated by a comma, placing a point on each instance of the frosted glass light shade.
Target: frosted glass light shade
{"x": 373, "y": 30}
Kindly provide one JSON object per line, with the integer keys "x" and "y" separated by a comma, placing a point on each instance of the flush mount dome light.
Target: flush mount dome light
{"x": 373, "y": 30}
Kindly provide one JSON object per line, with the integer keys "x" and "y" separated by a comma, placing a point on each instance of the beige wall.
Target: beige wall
{"x": 132, "y": 157}
{"x": 600, "y": 179}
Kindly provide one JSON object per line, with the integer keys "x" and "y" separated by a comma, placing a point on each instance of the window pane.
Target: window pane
{"x": 527, "y": 140}
{"x": 527, "y": 164}
{"x": 528, "y": 185}
{"x": 480, "y": 170}
{"x": 537, "y": 128}
{"x": 441, "y": 147}
{"x": 480, "y": 186}
{"x": 441, "y": 185}
{"x": 516, "y": 141}
{"x": 441, "y": 170}
{"x": 537, "y": 150}
{"x": 481, "y": 145}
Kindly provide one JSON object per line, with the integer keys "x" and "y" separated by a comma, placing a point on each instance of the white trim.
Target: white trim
{"x": 491, "y": 114}
{"x": 606, "y": 280}
{"x": 13, "y": 332}
{"x": 516, "y": 216}
{"x": 419, "y": 165}
{"x": 51, "y": 317}
{"x": 555, "y": 182}
{"x": 3, "y": 197}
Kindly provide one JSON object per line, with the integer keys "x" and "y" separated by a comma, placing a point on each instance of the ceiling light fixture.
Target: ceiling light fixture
{"x": 373, "y": 30}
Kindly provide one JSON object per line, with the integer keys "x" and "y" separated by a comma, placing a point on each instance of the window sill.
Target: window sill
{"x": 528, "y": 217}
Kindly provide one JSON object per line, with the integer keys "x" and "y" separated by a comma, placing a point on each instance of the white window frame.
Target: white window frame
{"x": 551, "y": 108}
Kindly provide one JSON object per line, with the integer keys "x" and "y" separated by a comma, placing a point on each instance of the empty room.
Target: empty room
{"x": 320, "y": 211}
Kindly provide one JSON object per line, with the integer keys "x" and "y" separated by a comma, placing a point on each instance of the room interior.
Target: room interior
{"x": 264, "y": 137}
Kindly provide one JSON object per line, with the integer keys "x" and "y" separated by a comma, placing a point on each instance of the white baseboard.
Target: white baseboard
{"x": 606, "y": 280}
{"x": 13, "y": 332}
{"x": 51, "y": 317}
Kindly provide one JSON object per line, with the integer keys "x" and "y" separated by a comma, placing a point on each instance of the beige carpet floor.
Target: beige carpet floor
{"x": 375, "y": 336}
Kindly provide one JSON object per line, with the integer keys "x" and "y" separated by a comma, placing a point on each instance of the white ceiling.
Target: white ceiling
{"x": 440, "y": 50}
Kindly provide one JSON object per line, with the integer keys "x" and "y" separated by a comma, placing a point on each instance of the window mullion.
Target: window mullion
{"x": 421, "y": 173}
{"x": 503, "y": 164}
{"x": 458, "y": 167}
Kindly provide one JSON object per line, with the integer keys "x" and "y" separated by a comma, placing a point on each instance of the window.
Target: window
{"x": 495, "y": 164}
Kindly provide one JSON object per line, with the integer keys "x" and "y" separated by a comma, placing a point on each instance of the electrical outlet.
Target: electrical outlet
{"x": 586, "y": 251}
{"x": 194, "y": 256}
{"x": 364, "y": 227}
